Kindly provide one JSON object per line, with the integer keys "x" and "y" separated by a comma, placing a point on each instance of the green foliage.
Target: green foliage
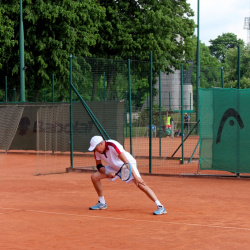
{"x": 2, "y": 96}
{"x": 134, "y": 28}
{"x": 231, "y": 65}
{"x": 140, "y": 90}
{"x": 144, "y": 116}
{"x": 109, "y": 29}
{"x": 245, "y": 83}
{"x": 210, "y": 67}
{"x": 245, "y": 62}
{"x": 7, "y": 32}
{"x": 222, "y": 44}
{"x": 100, "y": 79}
{"x": 52, "y": 30}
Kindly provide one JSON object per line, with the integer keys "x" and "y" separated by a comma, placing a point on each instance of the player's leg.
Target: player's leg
{"x": 96, "y": 180}
{"x": 185, "y": 125}
{"x": 150, "y": 193}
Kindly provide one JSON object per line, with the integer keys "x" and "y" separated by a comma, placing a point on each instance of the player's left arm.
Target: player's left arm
{"x": 138, "y": 180}
{"x": 100, "y": 167}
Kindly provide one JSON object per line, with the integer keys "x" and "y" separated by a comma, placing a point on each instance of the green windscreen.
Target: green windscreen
{"x": 225, "y": 130}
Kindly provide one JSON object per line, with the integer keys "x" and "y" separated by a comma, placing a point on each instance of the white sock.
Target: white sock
{"x": 101, "y": 199}
{"x": 157, "y": 202}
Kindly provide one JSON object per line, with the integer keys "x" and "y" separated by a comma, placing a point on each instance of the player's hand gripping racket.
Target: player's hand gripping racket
{"x": 125, "y": 172}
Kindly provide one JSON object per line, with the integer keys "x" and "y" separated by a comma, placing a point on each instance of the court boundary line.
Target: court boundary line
{"x": 126, "y": 219}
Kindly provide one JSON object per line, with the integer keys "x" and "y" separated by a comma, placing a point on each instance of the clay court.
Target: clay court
{"x": 51, "y": 211}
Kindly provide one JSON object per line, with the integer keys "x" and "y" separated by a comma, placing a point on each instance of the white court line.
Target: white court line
{"x": 124, "y": 219}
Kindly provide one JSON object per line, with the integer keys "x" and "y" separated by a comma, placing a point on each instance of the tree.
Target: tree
{"x": 95, "y": 28}
{"x": 7, "y": 32}
{"x": 245, "y": 62}
{"x": 222, "y": 44}
{"x": 231, "y": 62}
{"x": 52, "y": 30}
{"x": 133, "y": 28}
{"x": 210, "y": 67}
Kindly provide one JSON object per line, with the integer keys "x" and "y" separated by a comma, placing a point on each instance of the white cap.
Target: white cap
{"x": 95, "y": 140}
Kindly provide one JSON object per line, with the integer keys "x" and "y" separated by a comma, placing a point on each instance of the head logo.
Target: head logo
{"x": 229, "y": 113}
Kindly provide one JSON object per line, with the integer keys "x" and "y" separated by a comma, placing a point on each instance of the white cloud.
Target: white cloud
{"x": 221, "y": 16}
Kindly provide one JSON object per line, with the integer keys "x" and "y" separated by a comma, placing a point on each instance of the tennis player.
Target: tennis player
{"x": 113, "y": 153}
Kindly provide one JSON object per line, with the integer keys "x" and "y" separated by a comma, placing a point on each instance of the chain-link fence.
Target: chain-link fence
{"x": 155, "y": 115}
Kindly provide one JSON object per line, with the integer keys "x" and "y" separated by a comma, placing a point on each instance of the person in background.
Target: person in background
{"x": 186, "y": 121}
{"x": 168, "y": 122}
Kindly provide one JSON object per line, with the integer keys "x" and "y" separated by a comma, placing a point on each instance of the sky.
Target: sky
{"x": 221, "y": 16}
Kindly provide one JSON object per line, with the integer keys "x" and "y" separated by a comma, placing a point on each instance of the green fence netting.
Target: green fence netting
{"x": 224, "y": 130}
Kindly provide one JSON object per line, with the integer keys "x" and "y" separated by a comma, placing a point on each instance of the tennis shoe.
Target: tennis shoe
{"x": 99, "y": 206}
{"x": 160, "y": 210}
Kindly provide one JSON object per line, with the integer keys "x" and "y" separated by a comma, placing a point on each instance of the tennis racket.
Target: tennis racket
{"x": 125, "y": 172}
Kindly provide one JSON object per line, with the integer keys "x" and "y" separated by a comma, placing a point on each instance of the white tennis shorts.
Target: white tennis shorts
{"x": 133, "y": 165}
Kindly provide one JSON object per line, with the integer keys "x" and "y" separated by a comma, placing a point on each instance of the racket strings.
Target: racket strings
{"x": 125, "y": 172}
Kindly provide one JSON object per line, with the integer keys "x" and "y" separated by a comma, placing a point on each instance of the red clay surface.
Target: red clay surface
{"x": 51, "y": 211}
